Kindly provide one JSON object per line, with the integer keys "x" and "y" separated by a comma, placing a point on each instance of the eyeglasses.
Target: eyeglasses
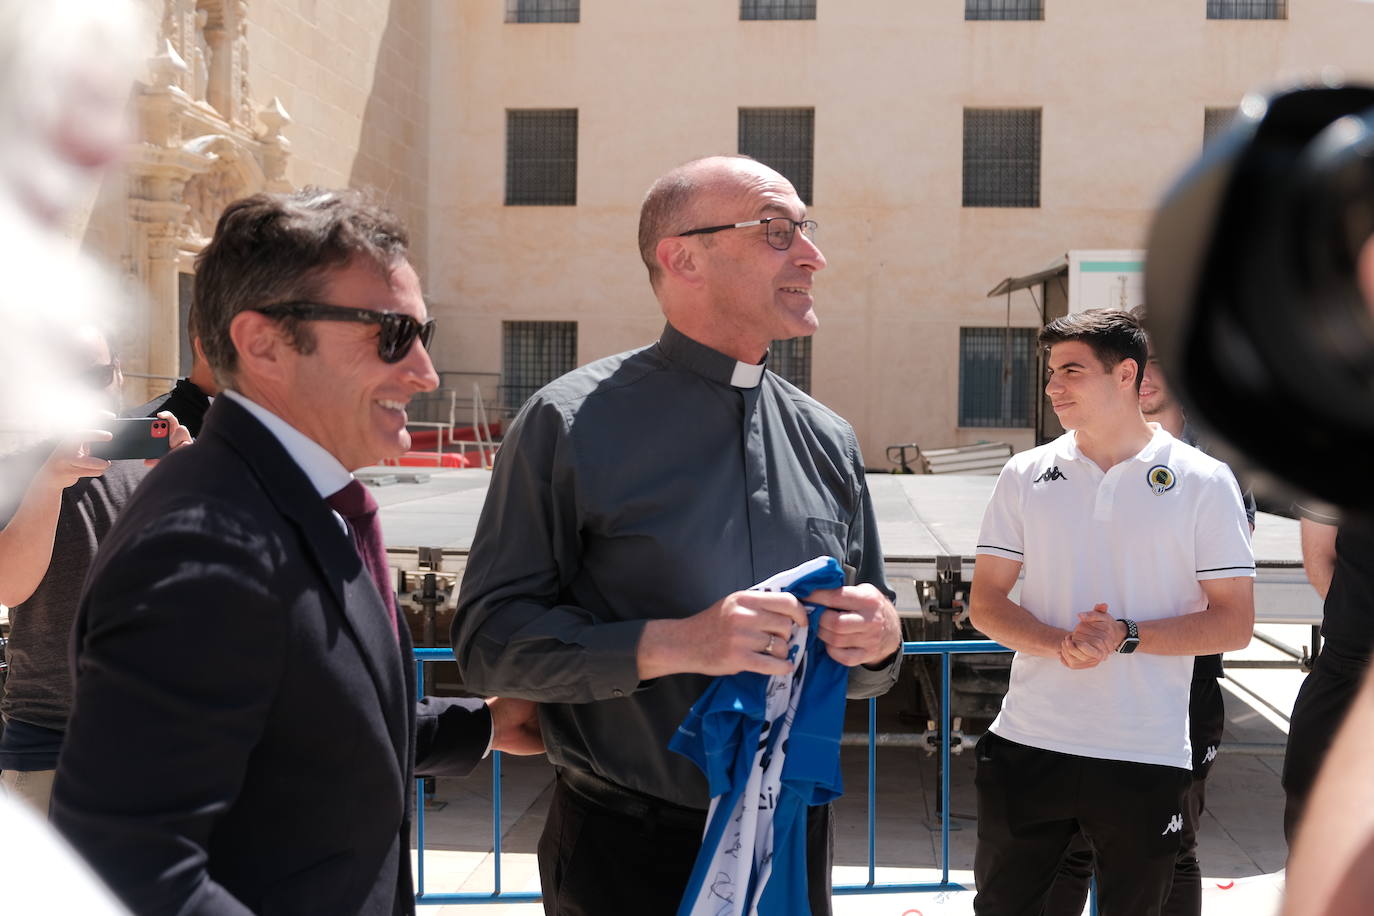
{"x": 780, "y": 230}
{"x": 394, "y": 339}
{"x": 100, "y": 375}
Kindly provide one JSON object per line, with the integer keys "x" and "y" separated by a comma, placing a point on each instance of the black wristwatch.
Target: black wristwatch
{"x": 1128, "y": 645}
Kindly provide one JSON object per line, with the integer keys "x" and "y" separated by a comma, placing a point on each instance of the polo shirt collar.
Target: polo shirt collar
{"x": 687, "y": 353}
{"x": 1066, "y": 446}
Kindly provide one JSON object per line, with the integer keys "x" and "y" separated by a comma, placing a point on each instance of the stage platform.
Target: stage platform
{"x": 921, "y": 518}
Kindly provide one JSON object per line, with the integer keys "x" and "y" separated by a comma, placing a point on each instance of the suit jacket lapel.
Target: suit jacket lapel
{"x": 339, "y": 565}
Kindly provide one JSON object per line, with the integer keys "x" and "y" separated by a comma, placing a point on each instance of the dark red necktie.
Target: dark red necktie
{"x": 359, "y": 509}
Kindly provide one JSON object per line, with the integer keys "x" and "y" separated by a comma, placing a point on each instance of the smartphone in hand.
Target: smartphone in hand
{"x": 134, "y": 437}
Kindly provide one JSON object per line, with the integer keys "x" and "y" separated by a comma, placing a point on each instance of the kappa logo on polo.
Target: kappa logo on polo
{"x": 1211, "y": 754}
{"x": 1175, "y": 825}
{"x": 1052, "y": 474}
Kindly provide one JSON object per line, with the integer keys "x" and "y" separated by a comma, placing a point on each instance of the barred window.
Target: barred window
{"x": 1001, "y": 157}
{"x": 1214, "y": 121}
{"x": 1247, "y": 9}
{"x": 543, "y": 10}
{"x": 534, "y": 353}
{"x": 777, "y": 9}
{"x": 1004, "y": 9}
{"x": 792, "y": 360}
{"x": 782, "y": 139}
{"x": 541, "y": 157}
{"x": 997, "y": 377}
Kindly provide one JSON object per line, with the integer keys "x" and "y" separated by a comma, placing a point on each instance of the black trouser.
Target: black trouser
{"x": 1033, "y": 802}
{"x": 606, "y": 851}
{"x": 1323, "y": 700}
{"x": 1206, "y": 721}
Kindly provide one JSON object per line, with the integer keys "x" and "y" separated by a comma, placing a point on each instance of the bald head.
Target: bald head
{"x": 673, "y": 204}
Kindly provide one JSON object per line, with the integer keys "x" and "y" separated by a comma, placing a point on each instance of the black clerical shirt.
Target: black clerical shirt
{"x": 648, "y": 485}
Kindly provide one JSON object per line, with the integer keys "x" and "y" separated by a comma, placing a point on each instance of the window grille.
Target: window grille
{"x": 1247, "y": 9}
{"x": 1214, "y": 121}
{"x": 534, "y": 353}
{"x": 1001, "y": 157}
{"x": 541, "y": 157}
{"x": 1004, "y": 9}
{"x": 997, "y": 377}
{"x": 783, "y": 139}
{"x": 792, "y": 360}
{"x": 543, "y": 10}
{"x": 777, "y": 9}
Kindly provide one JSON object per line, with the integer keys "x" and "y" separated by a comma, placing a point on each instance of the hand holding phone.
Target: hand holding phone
{"x": 135, "y": 437}
{"x": 71, "y": 460}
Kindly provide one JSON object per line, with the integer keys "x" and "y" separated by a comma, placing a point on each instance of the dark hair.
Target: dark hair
{"x": 1113, "y": 335}
{"x": 272, "y": 248}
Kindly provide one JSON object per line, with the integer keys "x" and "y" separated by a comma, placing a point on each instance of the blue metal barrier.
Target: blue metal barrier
{"x": 942, "y": 649}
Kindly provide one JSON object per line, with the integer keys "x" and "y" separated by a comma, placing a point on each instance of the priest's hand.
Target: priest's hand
{"x": 860, "y": 626}
{"x": 744, "y": 631}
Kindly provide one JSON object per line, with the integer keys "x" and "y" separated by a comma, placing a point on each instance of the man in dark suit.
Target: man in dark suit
{"x": 245, "y": 731}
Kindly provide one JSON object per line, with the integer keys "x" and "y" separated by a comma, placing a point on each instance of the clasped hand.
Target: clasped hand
{"x": 750, "y": 630}
{"x": 1094, "y": 638}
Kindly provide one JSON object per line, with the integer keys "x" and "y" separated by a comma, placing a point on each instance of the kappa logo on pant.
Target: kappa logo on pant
{"x": 1211, "y": 754}
{"x": 1175, "y": 825}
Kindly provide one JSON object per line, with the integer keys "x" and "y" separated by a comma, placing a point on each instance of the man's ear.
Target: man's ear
{"x": 678, "y": 259}
{"x": 260, "y": 344}
{"x": 1127, "y": 371}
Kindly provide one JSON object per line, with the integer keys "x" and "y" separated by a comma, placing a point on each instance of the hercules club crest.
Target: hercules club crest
{"x": 1161, "y": 479}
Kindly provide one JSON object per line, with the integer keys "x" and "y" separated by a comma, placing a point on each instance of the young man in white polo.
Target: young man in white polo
{"x": 1137, "y": 558}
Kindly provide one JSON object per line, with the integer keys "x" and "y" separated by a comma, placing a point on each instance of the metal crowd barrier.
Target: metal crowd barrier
{"x": 942, "y": 649}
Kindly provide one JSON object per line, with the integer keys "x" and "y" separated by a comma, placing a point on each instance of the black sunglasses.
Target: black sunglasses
{"x": 394, "y": 339}
{"x": 99, "y": 375}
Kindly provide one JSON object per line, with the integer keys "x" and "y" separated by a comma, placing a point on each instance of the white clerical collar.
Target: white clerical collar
{"x": 705, "y": 361}
{"x": 747, "y": 375}
{"x": 326, "y": 474}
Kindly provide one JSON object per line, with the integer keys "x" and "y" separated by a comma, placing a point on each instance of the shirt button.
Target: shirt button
{"x": 617, "y": 692}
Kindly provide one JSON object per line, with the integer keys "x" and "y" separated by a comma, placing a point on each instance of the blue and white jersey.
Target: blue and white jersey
{"x": 770, "y": 747}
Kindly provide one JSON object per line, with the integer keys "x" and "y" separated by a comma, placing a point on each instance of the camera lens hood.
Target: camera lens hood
{"x": 1255, "y": 306}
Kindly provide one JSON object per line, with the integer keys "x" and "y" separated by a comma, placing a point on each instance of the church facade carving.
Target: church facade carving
{"x": 203, "y": 141}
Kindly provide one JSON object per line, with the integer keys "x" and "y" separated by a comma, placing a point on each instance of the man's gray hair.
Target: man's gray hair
{"x": 275, "y": 248}
{"x": 669, "y": 209}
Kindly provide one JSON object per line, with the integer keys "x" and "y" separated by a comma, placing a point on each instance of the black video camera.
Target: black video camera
{"x": 1257, "y": 306}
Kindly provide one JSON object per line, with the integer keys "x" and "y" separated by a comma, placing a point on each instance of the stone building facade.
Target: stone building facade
{"x": 435, "y": 102}
{"x": 242, "y": 96}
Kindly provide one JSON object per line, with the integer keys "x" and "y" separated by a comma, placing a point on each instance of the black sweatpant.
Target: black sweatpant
{"x": 1323, "y": 700}
{"x": 1206, "y": 721}
{"x": 1033, "y": 802}
{"x": 594, "y": 861}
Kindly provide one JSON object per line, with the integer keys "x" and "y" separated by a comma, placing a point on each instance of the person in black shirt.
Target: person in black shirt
{"x": 190, "y": 397}
{"x": 1339, "y": 557}
{"x": 634, "y": 502}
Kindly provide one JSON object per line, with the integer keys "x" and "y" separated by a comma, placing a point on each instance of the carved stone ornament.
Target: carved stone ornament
{"x": 198, "y": 150}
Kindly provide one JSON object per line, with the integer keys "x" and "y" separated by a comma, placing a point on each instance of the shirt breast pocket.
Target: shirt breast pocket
{"x": 826, "y": 537}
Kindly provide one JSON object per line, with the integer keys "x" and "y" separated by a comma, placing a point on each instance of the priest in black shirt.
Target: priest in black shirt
{"x": 636, "y": 491}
